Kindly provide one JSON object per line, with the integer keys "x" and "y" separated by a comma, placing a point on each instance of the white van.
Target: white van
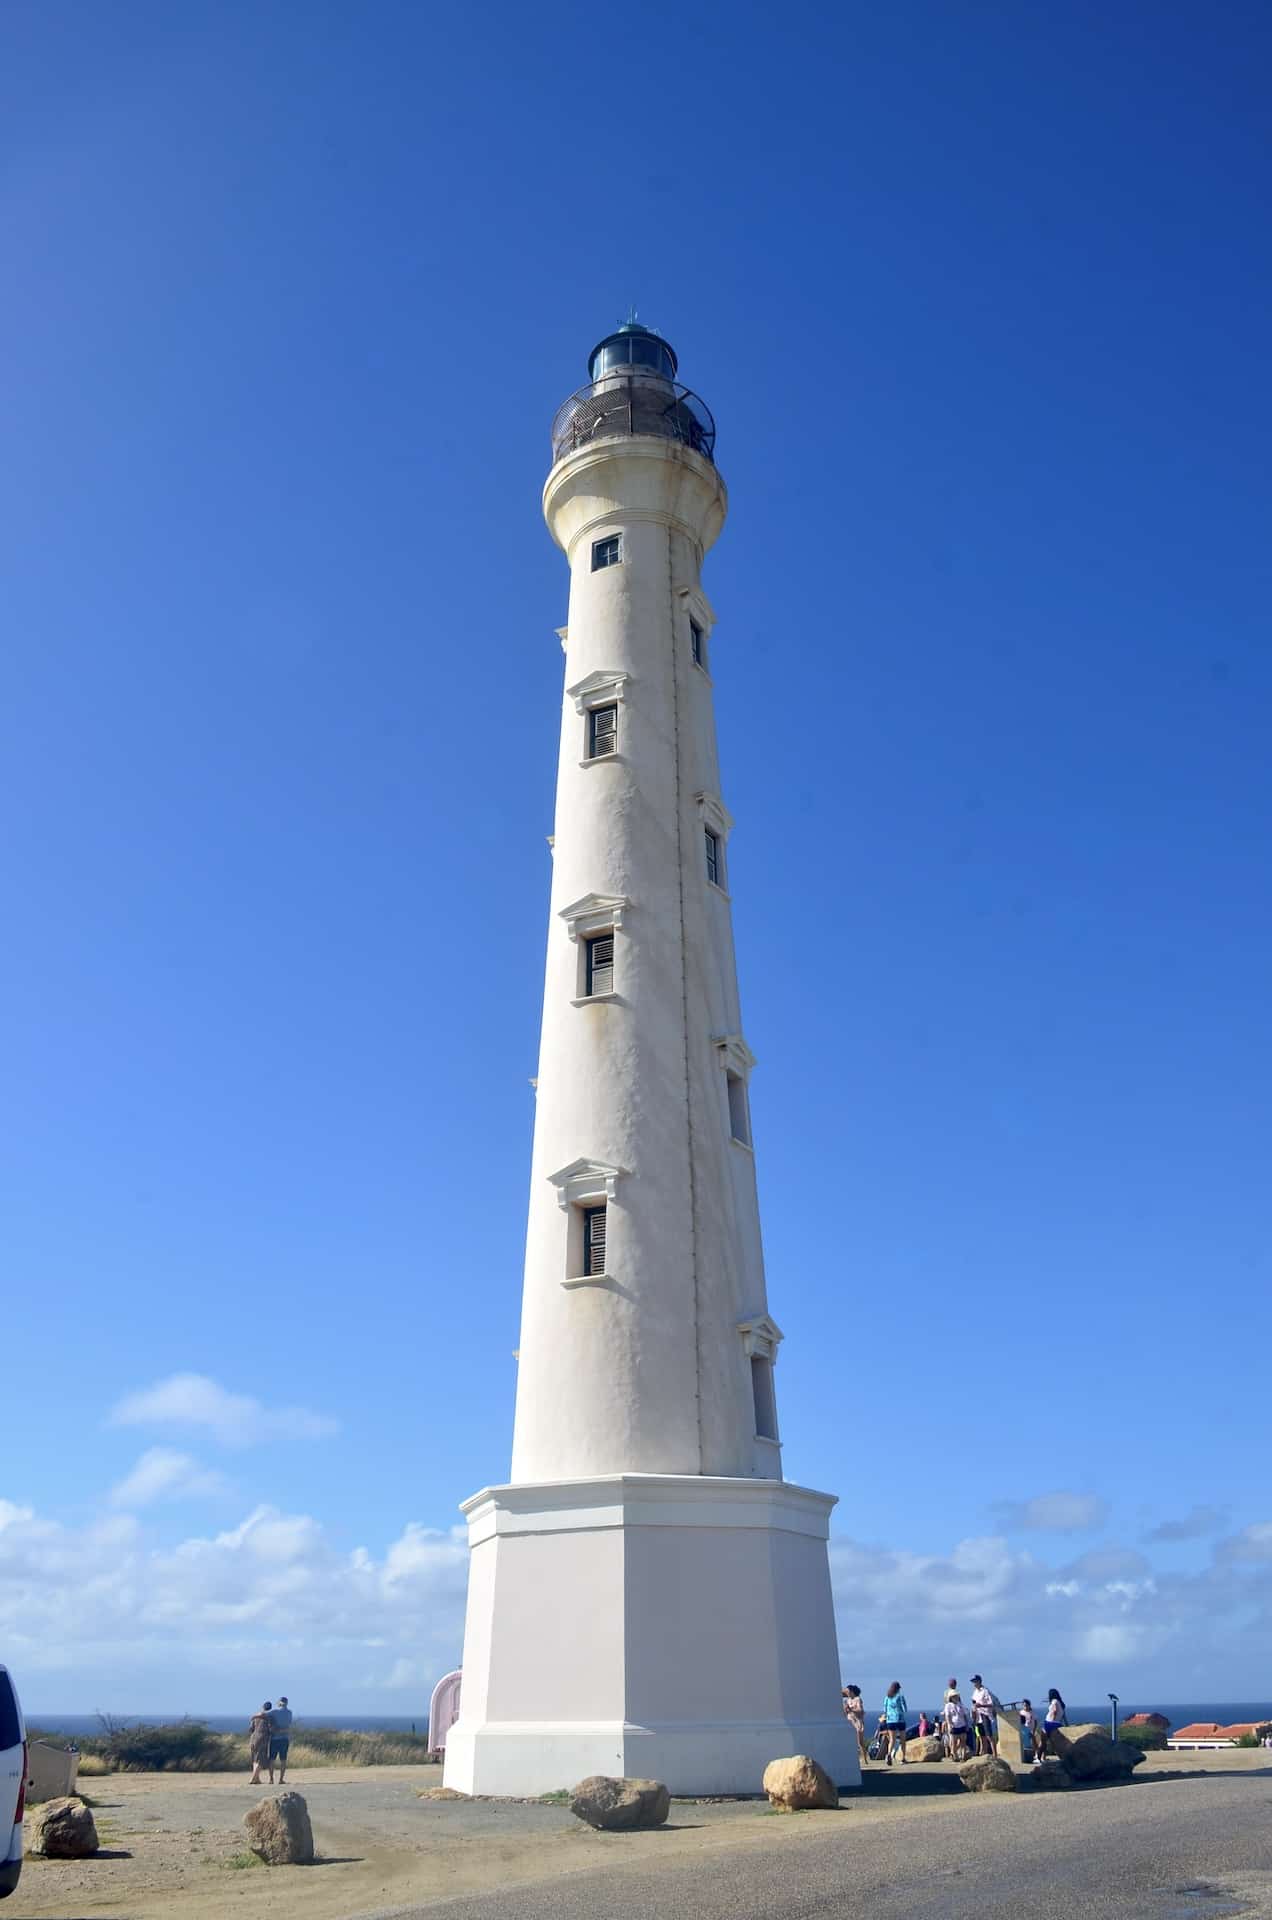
{"x": 13, "y": 1763}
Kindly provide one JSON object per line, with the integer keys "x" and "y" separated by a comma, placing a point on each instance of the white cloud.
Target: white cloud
{"x": 1107, "y": 1643}
{"x": 162, "y": 1474}
{"x": 1252, "y": 1544}
{"x": 1052, "y": 1513}
{"x": 235, "y": 1419}
{"x": 246, "y": 1607}
{"x": 1195, "y": 1525}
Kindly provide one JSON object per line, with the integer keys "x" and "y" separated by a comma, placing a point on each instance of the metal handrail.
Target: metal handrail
{"x": 653, "y": 407}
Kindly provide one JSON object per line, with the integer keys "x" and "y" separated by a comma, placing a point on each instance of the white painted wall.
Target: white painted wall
{"x": 644, "y": 1371}
{"x": 676, "y": 1628}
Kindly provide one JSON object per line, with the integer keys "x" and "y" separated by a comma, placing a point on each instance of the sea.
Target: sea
{"x": 72, "y": 1724}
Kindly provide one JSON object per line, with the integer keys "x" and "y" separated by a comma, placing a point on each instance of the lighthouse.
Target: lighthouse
{"x": 647, "y": 1596}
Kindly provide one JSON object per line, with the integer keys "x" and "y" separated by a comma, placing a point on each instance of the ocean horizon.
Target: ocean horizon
{"x": 1180, "y": 1714}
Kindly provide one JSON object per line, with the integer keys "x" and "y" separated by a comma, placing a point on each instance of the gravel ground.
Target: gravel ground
{"x": 1173, "y": 1848}
{"x": 174, "y": 1847}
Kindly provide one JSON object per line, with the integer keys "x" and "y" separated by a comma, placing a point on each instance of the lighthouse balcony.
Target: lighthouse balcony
{"x": 653, "y": 407}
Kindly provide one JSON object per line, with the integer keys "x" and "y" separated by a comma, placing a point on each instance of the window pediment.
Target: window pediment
{"x": 599, "y": 689}
{"x": 594, "y": 913}
{"x": 734, "y": 1053}
{"x": 699, "y": 606}
{"x": 714, "y": 814}
{"x": 761, "y": 1337}
{"x": 585, "y": 1183}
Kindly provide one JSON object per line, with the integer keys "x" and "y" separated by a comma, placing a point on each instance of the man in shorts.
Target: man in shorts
{"x": 984, "y": 1716}
{"x": 279, "y": 1739}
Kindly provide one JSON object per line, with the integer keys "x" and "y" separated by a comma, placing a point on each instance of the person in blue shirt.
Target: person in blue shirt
{"x": 279, "y": 1738}
{"x": 895, "y": 1714}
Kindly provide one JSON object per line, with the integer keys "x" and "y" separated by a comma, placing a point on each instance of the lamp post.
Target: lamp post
{"x": 1113, "y": 1700}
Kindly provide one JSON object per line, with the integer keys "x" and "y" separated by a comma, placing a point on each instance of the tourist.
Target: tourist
{"x": 895, "y": 1712}
{"x": 1029, "y": 1726}
{"x": 984, "y": 1722}
{"x": 1055, "y": 1719}
{"x": 259, "y": 1733}
{"x": 279, "y": 1739}
{"x": 951, "y": 1687}
{"x": 955, "y": 1716}
{"x": 855, "y": 1714}
{"x": 924, "y": 1724}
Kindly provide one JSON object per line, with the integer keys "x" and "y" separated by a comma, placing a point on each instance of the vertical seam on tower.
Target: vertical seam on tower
{"x": 684, "y": 997}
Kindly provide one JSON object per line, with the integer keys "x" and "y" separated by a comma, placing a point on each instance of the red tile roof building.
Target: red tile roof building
{"x": 1210, "y": 1733}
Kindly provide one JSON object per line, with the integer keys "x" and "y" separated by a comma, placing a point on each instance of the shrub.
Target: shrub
{"x": 1248, "y": 1740}
{"x": 1147, "y": 1739}
{"x": 188, "y": 1746}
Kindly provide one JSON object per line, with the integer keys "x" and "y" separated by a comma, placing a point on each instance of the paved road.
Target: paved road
{"x": 1184, "y": 1849}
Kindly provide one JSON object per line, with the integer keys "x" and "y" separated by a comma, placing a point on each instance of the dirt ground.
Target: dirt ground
{"x": 173, "y": 1845}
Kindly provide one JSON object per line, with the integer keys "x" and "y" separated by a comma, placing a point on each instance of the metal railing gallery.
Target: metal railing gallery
{"x": 633, "y": 407}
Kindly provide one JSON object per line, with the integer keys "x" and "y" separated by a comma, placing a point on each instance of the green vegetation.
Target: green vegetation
{"x": 188, "y": 1746}
{"x": 1147, "y": 1739}
{"x": 239, "y": 1862}
{"x": 1248, "y": 1740}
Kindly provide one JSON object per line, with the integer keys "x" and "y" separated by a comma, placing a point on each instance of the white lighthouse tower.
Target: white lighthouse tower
{"x": 647, "y": 1596}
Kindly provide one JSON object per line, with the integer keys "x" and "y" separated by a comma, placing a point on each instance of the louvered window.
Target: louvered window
{"x": 602, "y": 732}
{"x": 697, "y": 644}
{"x": 600, "y": 964}
{"x": 593, "y": 1241}
{"x": 764, "y": 1397}
{"x": 739, "y": 1119}
{"x": 606, "y": 553}
{"x": 713, "y": 856}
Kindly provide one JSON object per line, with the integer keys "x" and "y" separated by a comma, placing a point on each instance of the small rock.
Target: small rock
{"x": 442, "y": 1793}
{"x": 797, "y": 1783}
{"x": 62, "y": 1830}
{"x": 928, "y": 1747}
{"x": 987, "y": 1774}
{"x": 611, "y": 1805}
{"x": 278, "y": 1830}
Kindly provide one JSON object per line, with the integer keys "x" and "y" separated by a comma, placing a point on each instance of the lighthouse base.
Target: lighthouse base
{"x": 669, "y": 1627}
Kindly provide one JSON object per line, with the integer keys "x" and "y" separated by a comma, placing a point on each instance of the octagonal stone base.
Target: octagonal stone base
{"x": 668, "y": 1627}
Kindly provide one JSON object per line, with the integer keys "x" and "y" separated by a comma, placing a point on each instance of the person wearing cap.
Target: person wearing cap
{"x": 984, "y": 1723}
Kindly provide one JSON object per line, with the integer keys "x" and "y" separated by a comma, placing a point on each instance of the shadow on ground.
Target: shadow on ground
{"x": 907, "y": 1783}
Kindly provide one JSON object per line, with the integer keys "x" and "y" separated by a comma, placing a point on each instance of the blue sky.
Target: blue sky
{"x": 978, "y": 296}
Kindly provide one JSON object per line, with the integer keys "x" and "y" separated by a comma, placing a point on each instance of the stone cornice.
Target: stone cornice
{"x": 734, "y": 1052}
{"x": 599, "y": 689}
{"x": 761, "y": 1337}
{"x": 715, "y": 814}
{"x": 584, "y": 1182}
{"x": 594, "y": 913}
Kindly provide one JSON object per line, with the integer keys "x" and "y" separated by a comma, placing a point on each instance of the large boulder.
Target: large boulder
{"x": 1090, "y": 1753}
{"x": 278, "y": 1830}
{"x": 987, "y": 1774}
{"x": 926, "y": 1747}
{"x": 795, "y": 1784}
{"x": 612, "y": 1805}
{"x": 1048, "y": 1779}
{"x": 62, "y": 1830}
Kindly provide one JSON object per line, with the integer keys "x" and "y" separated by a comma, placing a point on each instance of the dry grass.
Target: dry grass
{"x": 187, "y": 1746}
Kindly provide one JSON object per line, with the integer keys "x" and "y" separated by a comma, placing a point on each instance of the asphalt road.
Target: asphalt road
{"x": 1178, "y": 1849}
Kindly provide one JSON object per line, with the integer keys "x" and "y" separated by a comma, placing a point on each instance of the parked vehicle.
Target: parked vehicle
{"x": 13, "y": 1766}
